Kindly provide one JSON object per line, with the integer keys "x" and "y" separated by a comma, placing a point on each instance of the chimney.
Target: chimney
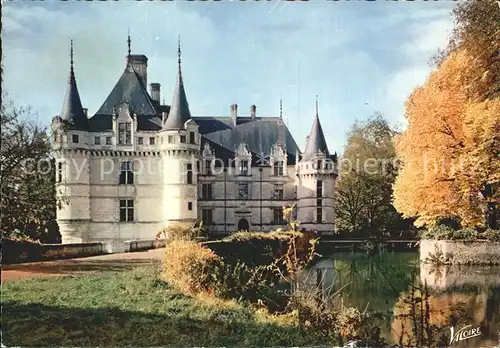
{"x": 234, "y": 114}
{"x": 154, "y": 90}
{"x": 139, "y": 63}
{"x": 253, "y": 108}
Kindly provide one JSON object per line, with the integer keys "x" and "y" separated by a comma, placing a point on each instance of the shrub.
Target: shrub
{"x": 442, "y": 232}
{"x": 354, "y": 325}
{"x": 251, "y": 284}
{"x": 178, "y": 232}
{"x": 439, "y": 232}
{"x": 491, "y": 235}
{"x": 260, "y": 248}
{"x": 251, "y": 236}
{"x": 190, "y": 267}
{"x": 317, "y": 315}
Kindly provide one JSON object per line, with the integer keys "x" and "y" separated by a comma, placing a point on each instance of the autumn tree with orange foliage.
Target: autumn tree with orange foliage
{"x": 451, "y": 148}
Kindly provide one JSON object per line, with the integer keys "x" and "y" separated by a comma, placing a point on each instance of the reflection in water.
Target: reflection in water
{"x": 417, "y": 303}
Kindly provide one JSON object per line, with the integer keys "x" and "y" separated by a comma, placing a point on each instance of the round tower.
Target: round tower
{"x": 315, "y": 181}
{"x": 180, "y": 149}
{"x": 70, "y": 145}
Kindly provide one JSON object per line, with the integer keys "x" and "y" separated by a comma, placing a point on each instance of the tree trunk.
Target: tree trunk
{"x": 491, "y": 214}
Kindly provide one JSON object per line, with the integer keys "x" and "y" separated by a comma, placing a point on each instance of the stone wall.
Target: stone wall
{"x": 19, "y": 252}
{"x": 460, "y": 252}
{"x": 66, "y": 251}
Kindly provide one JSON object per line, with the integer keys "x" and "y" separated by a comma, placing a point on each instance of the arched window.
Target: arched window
{"x": 243, "y": 225}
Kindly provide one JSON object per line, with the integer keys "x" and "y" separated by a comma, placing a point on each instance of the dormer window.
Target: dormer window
{"x": 109, "y": 140}
{"x": 76, "y": 139}
{"x": 151, "y": 140}
{"x": 191, "y": 138}
{"x": 140, "y": 140}
{"x": 278, "y": 168}
{"x": 320, "y": 164}
{"x": 183, "y": 139}
{"x": 97, "y": 140}
{"x": 243, "y": 167}
{"x": 124, "y": 133}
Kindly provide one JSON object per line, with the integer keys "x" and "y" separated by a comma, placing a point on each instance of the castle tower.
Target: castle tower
{"x": 180, "y": 149}
{"x": 315, "y": 180}
{"x": 70, "y": 144}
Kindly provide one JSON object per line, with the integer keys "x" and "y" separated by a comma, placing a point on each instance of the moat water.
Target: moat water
{"x": 414, "y": 304}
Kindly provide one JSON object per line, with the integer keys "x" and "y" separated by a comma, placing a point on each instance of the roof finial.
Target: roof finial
{"x": 179, "y": 51}
{"x": 316, "y": 105}
{"x": 71, "y": 55}
{"x": 281, "y": 108}
{"x": 128, "y": 42}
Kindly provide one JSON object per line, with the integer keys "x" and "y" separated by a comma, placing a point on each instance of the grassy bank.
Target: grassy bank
{"x": 133, "y": 308}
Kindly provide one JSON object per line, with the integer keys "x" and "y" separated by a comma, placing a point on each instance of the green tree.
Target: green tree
{"x": 27, "y": 174}
{"x": 364, "y": 189}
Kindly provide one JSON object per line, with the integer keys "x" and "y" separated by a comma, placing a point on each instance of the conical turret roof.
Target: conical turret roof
{"x": 179, "y": 110}
{"x": 316, "y": 140}
{"x": 72, "y": 110}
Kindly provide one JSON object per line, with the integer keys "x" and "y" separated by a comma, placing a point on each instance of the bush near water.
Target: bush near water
{"x": 443, "y": 232}
{"x": 248, "y": 267}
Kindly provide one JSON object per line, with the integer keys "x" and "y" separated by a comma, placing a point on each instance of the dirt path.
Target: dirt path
{"x": 108, "y": 262}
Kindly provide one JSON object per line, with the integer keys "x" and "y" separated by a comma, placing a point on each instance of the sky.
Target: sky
{"x": 358, "y": 57}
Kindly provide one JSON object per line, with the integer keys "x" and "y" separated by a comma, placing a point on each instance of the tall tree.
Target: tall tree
{"x": 27, "y": 174}
{"x": 451, "y": 148}
{"x": 367, "y": 171}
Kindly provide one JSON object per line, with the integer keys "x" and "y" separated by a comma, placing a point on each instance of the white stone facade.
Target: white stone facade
{"x": 124, "y": 176}
{"x": 223, "y": 196}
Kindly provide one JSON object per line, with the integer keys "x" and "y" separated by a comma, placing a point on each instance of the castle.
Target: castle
{"x": 138, "y": 165}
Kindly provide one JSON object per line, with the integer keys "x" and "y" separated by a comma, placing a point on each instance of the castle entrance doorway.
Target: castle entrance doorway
{"x": 243, "y": 225}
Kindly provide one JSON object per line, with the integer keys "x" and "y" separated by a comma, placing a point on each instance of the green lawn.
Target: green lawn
{"x": 133, "y": 308}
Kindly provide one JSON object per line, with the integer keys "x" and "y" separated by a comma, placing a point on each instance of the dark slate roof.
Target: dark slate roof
{"x": 72, "y": 111}
{"x": 220, "y": 152}
{"x": 212, "y": 124}
{"x": 179, "y": 110}
{"x": 130, "y": 90}
{"x": 316, "y": 140}
{"x": 161, "y": 108}
{"x": 99, "y": 123}
{"x": 149, "y": 123}
{"x": 260, "y": 134}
